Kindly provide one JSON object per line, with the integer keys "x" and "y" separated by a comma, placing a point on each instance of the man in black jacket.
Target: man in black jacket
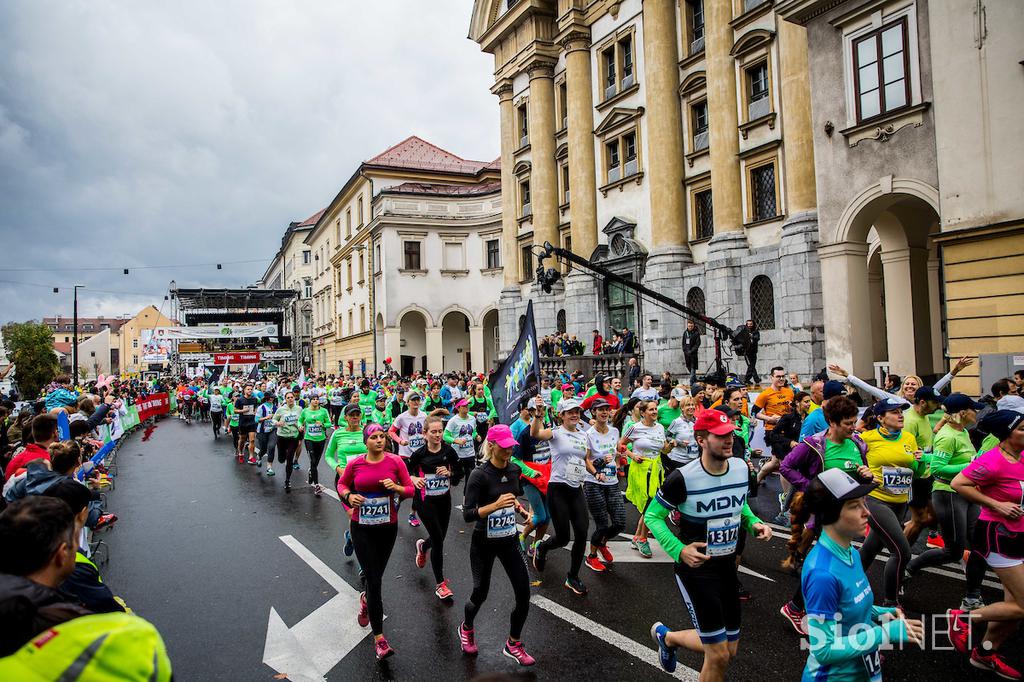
{"x": 691, "y": 342}
{"x": 749, "y": 337}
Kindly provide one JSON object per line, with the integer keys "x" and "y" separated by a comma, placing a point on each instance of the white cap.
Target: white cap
{"x": 678, "y": 393}
{"x": 842, "y": 486}
{"x": 568, "y": 404}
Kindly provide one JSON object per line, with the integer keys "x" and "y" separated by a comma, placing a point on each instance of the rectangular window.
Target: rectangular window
{"x": 758, "y": 104}
{"x": 307, "y": 256}
{"x": 705, "y": 218}
{"x": 609, "y": 71}
{"x": 493, "y": 253}
{"x": 526, "y": 254}
{"x": 412, "y": 255}
{"x": 563, "y": 104}
{"x": 135, "y": 359}
{"x": 762, "y": 182}
{"x": 881, "y": 81}
{"x": 135, "y": 343}
{"x": 351, "y": 326}
{"x": 695, "y": 12}
{"x": 629, "y": 155}
{"x": 376, "y": 258}
{"x": 362, "y": 318}
{"x": 701, "y": 134}
{"x": 359, "y": 204}
{"x": 452, "y": 256}
{"x": 626, "y": 55}
{"x": 565, "y": 182}
{"x": 524, "y": 126}
{"x": 307, "y": 288}
{"x": 362, "y": 267}
{"x": 613, "y": 164}
{"x": 348, "y": 223}
{"x": 524, "y": 199}
{"x": 348, "y": 267}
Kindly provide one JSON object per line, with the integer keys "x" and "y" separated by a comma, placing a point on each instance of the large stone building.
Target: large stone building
{"x": 407, "y": 265}
{"x": 917, "y": 135}
{"x": 292, "y": 268}
{"x": 670, "y": 142}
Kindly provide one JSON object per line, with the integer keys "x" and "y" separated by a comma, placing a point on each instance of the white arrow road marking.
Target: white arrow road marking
{"x": 646, "y": 654}
{"x": 302, "y": 652}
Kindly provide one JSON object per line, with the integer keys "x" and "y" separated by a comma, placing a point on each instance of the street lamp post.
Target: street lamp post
{"x": 74, "y": 340}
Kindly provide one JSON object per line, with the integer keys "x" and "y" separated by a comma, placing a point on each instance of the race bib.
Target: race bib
{"x": 873, "y": 665}
{"x": 501, "y": 523}
{"x": 542, "y": 455}
{"x": 896, "y": 480}
{"x": 314, "y": 429}
{"x": 610, "y": 470}
{"x": 481, "y": 417}
{"x": 436, "y": 484}
{"x": 375, "y": 510}
{"x": 416, "y": 442}
{"x": 291, "y": 419}
{"x": 722, "y": 536}
{"x": 575, "y": 470}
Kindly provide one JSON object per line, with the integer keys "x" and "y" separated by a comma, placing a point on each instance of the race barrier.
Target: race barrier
{"x": 153, "y": 405}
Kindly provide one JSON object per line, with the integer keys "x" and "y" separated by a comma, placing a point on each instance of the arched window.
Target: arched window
{"x": 560, "y": 321}
{"x": 762, "y": 302}
{"x": 695, "y": 302}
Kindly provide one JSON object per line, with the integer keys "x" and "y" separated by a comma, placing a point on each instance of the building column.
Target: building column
{"x": 392, "y": 346}
{"x": 844, "y": 286}
{"x": 795, "y": 91}
{"x": 935, "y": 313}
{"x": 476, "y": 349}
{"x": 435, "y": 350}
{"x": 724, "y": 136}
{"x": 509, "y": 226}
{"x": 544, "y": 173}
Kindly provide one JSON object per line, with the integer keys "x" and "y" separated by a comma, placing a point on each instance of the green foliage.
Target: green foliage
{"x": 30, "y": 347}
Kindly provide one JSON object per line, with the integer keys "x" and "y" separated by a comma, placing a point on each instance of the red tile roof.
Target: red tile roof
{"x": 446, "y": 190}
{"x": 61, "y": 347}
{"x": 66, "y": 323}
{"x": 311, "y": 220}
{"x": 417, "y": 154}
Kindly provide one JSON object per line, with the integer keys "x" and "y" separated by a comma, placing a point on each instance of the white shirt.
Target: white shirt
{"x": 645, "y": 393}
{"x": 603, "y": 447}
{"x": 681, "y": 430}
{"x": 647, "y": 440}
{"x": 568, "y": 452}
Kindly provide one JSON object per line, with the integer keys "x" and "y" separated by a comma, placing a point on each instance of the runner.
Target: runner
{"x": 480, "y": 407}
{"x": 407, "y": 432}
{"x": 216, "y": 411}
{"x": 313, "y": 423}
{"x": 536, "y": 455}
{"x": 647, "y": 437}
{"x": 266, "y": 438}
{"x": 680, "y": 434}
{"x": 433, "y": 401}
{"x": 367, "y": 400}
{"x": 286, "y": 419}
{"x": 373, "y": 485}
{"x": 460, "y": 432}
{"x": 601, "y": 486}
{"x": 491, "y": 505}
{"x": 336, "y": 401}
{"x": 646, "y": 391}
{"x": 433, "y": 468}
{"x": 245, "y": 410}
{"x": 846, "y": 630}
{"x": 770, "y": 406}
{"x": 346, "y": 443}
{"x": 711, "y": 495}
{"x": 995, "y": 482}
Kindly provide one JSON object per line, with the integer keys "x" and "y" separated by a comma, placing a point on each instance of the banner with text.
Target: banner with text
{"x": 236, "y": 358}
{"x": 519, "y": 375}
{"x": 217, "y": 331}
{"x": 153, "y": 348}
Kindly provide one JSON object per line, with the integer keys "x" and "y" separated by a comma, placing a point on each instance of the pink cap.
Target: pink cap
{"x": 501, "y": 435}
{"x": 464, "y": 401}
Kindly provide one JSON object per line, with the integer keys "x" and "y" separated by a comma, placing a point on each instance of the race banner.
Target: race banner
{"x": 236, "y": 358}
{"x": 217, "y": 331}
{"x": 518, "y": 376}
{"x": 153, "y": 405}
{"x": 153, "y": 348}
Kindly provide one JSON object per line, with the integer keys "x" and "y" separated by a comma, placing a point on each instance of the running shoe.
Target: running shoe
{"x": 295, "y": 466}
{"x": 633, "y": 541}
{"x": 782, "y": 519}
{"x": 935, "y": 541}
{"x": 105, "y": 521}
{"x": 443, "y": 591}
{"x": 666, "y": 653}
{"x": 517, "y": 652}
{"x": 349, "y": 547}
{"x": 317, "y": 490}
{"x": 240, "y": 458}
{"x": 970, "y": 603}
{"x": 576, "y": 585}
{"x": 363, "y": 617}
{"x": 468, "y": 640}
{"x": 644, "y": 548}
{"x": 594, "y": 564}
{"x": 421, "y": 553}
{"x": 382, "y": 648}
{"x": 413, "y": 521}
{"x": 538, "y": 558}
{"x": 253, "y": 460}
{"x": 606, "y": 554}
{"x": 959, "y": 630}
{"x": 743, "y": 593}
{"x": 531, "y": 550}
{"x": 795, "y": 618}
{"x": 270, "y": 472}
{"x": 995, "y": 663}
{"x": 287, "y": 486}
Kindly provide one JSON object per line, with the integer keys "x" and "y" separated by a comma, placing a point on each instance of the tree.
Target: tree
{"x": 30, "y": 348}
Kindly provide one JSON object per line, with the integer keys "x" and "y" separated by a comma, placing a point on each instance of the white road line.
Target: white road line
{"x": 322, "y": 569}
{"x": 644, "y": 653}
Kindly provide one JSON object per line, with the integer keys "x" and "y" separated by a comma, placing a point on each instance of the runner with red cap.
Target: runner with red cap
{"x": 710, "y": 494}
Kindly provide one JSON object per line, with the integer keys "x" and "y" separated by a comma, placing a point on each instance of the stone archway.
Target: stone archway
{"x": 455, "y": 342}
{"x": 491, "y": 345}
{"x": 413, "y": 334}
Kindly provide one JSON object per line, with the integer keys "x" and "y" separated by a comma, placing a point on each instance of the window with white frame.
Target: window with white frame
{"x": 695, "y": 25}
{"x": 758, "y": 100}
{"x": 699, "y": 118}
{"x": 524, "y": 125}
{"x": 881, "y": 70}
{"x": 525, "y": 208}
{"x": 307, "y": 288}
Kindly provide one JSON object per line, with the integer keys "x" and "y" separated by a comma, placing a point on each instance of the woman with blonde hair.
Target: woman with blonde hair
{"x": 648, "y": 439}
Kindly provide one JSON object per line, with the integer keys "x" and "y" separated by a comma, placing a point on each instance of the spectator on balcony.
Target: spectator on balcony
{"x": 628, "y": 341}
{"x": 598, "y": 344}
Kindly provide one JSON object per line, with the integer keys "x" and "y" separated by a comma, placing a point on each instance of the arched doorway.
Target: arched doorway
{"x": 491, "y": 346}
{"x": 413, "y": 332}
{"x": 455, "y": 342}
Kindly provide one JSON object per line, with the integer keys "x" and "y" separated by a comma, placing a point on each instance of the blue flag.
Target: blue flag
{"x": 518, "y": 376}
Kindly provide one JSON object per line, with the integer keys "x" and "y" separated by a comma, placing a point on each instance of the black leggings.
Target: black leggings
{"x": 957, "y": 518}
{"x": 508, "y": 551}
{"x": 373, "y": 545}
{"x": 886, "y": 522}
{"x": 286, "y": 448}
{"x": 567, "y": 507}
{"x": 435, "y": 512}
{"x": 218, "y": 419}
{"x": 466, "y": 466}
{"x": 606, "y": 508}
{"x": 315, "y": 449}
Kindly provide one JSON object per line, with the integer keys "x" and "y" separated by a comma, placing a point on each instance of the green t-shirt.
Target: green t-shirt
{"x": 952, "y": 451}
{"x": 229, "y": 410}
{"x": 667, "y": 415}
{"x": 290, "y": 417}
{"x": 920, "y": 426}
{"x": 316, "y": 423}
{"x": 367, "y": 403}
{"x": 990, "y": 442}
{"x": 344, "y": 445}
{"x": 845, "y": 456}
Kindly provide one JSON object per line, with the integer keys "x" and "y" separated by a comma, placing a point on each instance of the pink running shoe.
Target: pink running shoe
{"x": 606, "y": 554}
{"x": 363, "y": 618}
{"x": 468, "y": 640}
{"x": 421, "y": 553}
{"x": 382, "y": 648}
{"x": 517, "y": 652}
{"x": 995, "y": 663}
{"x": 959, "y": 630}
{"x": 443, "y": 591}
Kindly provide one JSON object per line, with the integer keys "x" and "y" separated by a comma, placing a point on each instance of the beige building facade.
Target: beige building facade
{"x": 292, "y": 268}
{"x": 669, "y": 142}
{"x": 129, "y": 338}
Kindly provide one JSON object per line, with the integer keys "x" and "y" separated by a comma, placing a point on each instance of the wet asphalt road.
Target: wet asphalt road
{"x": 197, "y": 552}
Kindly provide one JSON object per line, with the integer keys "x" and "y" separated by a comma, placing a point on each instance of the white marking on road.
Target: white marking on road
{"x": 302, "y": 652}
{"x": 646, "y": 654}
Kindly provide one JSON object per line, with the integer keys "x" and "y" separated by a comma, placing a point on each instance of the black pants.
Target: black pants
{"x": 234, "y": 437}
{"x": 957, "y": 518}
{"x": 567, "y": 507}
{"x": 373, "y": 545}
{"x": 466, "y": 466}
{"x": 886, "y": 522}
{"x": 691, "y": 365}
{"x": 286, "y": 448}
{"x": 218, "y": 421}
{"x": 266, "y": 444}
{"x": 751, "y": 375}
{"x": 435, "y": 512}
{"x": 335, "y": 412}
{"x": 606, "y": 508}
{"x": 482, "y": 553}
{"x": 315, "y": 449}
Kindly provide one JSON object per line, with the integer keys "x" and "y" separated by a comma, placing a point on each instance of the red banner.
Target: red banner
{"x": 236, "y": 358}
{"x": 153, "y": 405}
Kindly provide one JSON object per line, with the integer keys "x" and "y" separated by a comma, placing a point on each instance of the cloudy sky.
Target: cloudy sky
{"x": 143, "y": 133}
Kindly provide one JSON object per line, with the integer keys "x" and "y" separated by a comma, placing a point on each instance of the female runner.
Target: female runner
{"x": 601, "y": 487}
{"x": 286, "y": 419}
{"x": 645, "y": 475}
{"x": 346, "y": 443}
{"x": 314, "y": 422}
